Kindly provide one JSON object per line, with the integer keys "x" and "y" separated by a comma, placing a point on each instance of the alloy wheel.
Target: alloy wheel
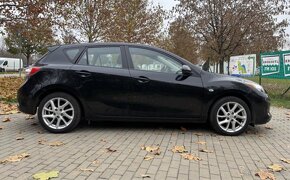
{"x": 58, "y": 113}
{"x": 231, "y": 117}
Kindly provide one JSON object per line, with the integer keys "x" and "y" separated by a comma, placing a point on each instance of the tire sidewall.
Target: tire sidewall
{"x": 77, "y": 112}
{"x": 218, "y": 104}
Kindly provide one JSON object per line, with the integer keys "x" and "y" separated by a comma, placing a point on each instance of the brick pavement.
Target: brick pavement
{"x": 232, "y": 158}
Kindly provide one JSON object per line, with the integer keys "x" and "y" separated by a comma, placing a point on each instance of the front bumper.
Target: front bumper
{"x": 262, "y": 111}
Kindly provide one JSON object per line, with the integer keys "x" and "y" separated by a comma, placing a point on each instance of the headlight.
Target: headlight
{"x": 255, "y": 86}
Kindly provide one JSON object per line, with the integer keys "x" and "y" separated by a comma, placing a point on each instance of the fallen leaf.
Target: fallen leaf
{"x": 206, "y": 151}
{"x": 34, "y": 124}
{"x": 198, "y": 134}
{"x": 29, "y": 117}
{"x": 19, "y": 138}
{"x": 183, "y": 129}
{"x": 268, "y": 127}
{"x": 46, "y": 175}
{"x": 15, "y": 158}
{"x": 6, "y": 119}
{"x": 42, "y": 141}
{"x": 201, "y": 142}
{"x": 179, "y": 149}
{"x": 103, "y": 140}
{"x": 147, "y": 158}
{"x": 1, "y": 127}
{"x": 265, "y": 175}
{"x": 86, "y": 169}
{"x": 285, "y": 160}
{"x": 287, "y": 113}
{"x": 152, "y": 149}
{"x": 145, "y": 176}
{"x": 276, "y": 168}
{"x": 56, "y": 143}
{"x": 95, "y": 162}
{"x": 111, "y": 150}
{"x": 6, "y": 109}
{"x": 190, "y": 157}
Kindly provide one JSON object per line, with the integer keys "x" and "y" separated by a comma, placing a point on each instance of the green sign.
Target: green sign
{"x": 270, "y": 65}
{"x": 275, "y": 65}
{"x": 286, "y": 62}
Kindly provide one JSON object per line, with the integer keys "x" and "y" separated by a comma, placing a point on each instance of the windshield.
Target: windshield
{"x": 1, "y": 62}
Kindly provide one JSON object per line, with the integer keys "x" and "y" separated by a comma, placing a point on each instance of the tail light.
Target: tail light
{"x": 31, "y": 71}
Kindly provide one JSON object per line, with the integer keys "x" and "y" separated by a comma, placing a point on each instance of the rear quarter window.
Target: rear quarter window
{"x": 72, "y": 53}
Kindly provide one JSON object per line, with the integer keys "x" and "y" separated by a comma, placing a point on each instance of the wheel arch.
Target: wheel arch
{"x": 59, "y": 88}
{"x": 236, "y": 94}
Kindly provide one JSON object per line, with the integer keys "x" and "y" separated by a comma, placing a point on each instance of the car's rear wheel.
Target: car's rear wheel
{"x": 59, "y": 113}
{"x": 230, "y": 116}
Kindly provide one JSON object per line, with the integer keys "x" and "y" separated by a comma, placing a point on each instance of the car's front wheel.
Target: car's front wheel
{"x": 59, "y": 113}
{"x": 230, "y": 116}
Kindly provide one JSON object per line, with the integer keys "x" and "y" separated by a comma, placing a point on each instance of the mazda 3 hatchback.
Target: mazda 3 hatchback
{"x": 131, "y": 82}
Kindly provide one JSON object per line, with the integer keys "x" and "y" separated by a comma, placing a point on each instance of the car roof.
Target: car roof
{"x": 105, "y": 43}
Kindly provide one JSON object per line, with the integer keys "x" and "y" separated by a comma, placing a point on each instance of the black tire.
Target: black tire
{"x": 74, "y": 103}
{"x": 214, "y": 111}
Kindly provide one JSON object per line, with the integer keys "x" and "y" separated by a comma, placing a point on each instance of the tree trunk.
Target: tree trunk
{"x": 27, "y": 59}
{"x": 221, "y": 66}
{"x": 228, "y": 66}
{"x": 216, "y": 67}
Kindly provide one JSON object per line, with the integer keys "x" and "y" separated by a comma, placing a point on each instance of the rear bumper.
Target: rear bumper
{"x": 26, "y": 103}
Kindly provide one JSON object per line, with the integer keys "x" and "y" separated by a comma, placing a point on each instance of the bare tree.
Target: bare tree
{"x": 225, "y": 26}
{"x": 82, "y": 20}
{"x": 135, "y": 21}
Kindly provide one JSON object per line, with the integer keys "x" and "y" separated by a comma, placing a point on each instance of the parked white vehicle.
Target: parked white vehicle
{"x": 10, "y": 64}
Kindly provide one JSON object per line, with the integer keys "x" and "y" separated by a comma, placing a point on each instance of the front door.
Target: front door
{"x": 159, "y": 88}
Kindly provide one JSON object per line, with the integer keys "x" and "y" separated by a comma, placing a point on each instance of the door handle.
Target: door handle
{"x": 143, "y": 79}
{"x": 83, "y": 73}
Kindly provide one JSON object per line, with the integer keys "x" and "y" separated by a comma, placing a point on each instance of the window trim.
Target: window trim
{"x": 123, "y": 56}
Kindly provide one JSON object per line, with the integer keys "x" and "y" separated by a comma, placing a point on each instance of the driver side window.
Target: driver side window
{"x": 148, "y": 60}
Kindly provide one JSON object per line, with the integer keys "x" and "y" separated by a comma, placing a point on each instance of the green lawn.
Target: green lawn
{"x": 275, "y": 88}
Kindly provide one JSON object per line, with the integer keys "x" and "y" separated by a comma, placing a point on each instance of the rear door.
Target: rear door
{"x": 102, "y": 77}
{"x": 158, "y": 87}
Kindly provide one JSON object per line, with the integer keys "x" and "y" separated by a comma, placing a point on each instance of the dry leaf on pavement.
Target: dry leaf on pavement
{"x": 147, "y": 158}
{"x": 206, "y": 151}
{"x": 198, "y": 134}
{"x": 1, "y": 127}
{"x": 145, "y": 176}
{"x": 15, "y": 158}
{"x": 95, "y": 162}
{"x": 6, "y": 119}
{"x": 152, "y": 149}
{"x": 87, "y": 169}
{"x": 42, "y": 141}
{"x": 34, "y": 124}
{"x": 29, "y": 117}
{"x": 110, "y": 150}
{"x": 55, "y": 143}
{"x": 179, "y": 149}
{"x": 183, "y": 129}
{"x": 201, "y": 142}
{"x": 46, "y": 175}
{"x": 190, "y": 157}
{"x": 19, "y": 138}
{"x": 265, "y": 175}
{"x": 285, "y": 160}
{"x": 103, "y": 140}
{"x": 276, "y": 167}
{"x": 268, "y": 127}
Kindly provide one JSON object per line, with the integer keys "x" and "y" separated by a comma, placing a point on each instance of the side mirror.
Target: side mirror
{"x": 186, "y": 70}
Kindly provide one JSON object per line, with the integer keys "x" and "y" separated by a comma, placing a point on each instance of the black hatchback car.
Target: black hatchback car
{"x": 131, "y": 82}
